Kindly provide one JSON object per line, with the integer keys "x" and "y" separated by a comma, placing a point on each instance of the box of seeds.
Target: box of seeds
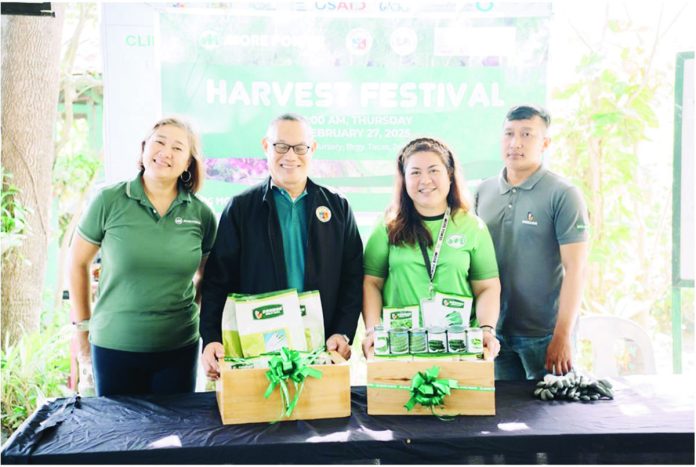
{"x": 391, "y": 381}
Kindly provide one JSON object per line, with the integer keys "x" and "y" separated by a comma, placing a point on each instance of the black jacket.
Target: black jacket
{"x": 248, "y": 258}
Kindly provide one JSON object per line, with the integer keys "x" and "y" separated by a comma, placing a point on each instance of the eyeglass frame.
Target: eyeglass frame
{"x": 291, "y": 146}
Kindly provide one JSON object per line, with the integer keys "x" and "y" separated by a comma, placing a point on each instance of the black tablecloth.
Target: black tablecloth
{"x": 651, "y": 420}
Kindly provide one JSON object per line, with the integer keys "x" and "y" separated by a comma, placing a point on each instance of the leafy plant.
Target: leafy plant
{"x": 73, "y": 174}
{"x": 33, "y": 369}
{"x": 609, "y": 113}
{"x": 14, "y": 214}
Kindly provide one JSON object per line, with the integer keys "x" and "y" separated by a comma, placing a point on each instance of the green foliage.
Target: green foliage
{"x": 74, "y": 170}
{"x": 14, "y": 214}
{"x": 610, "y": 113}
{"x": 34, "y": 369}
{"x": 72, "y": 176}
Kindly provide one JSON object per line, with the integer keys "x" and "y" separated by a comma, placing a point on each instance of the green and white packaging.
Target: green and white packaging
{"x": 445, "y": 310}
{"x": 267, "y": 322}
{"x": 230, "y": 332}
{"x": 312, "y": 319}
{"x": 250, "y": 363}
{"x": 401, "y": 317}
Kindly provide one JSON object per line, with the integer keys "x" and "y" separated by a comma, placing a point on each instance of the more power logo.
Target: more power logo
{"x": 453, "y": 303}
{"x": 180, "y": 220}
{"x": 209, "y": 40}
{"x": 267, "y": 312}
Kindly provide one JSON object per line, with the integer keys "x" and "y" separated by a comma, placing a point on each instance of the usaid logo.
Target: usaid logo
{"x": 359, "y": 41}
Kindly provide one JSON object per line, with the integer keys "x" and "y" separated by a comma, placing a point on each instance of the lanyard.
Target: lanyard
{"x": 436, "y": 252}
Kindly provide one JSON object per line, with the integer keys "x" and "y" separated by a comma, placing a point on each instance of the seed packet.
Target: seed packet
{"x": 445, "y": 310}
{"x": 312, "y": 319}
{"x": 401, "y": 317}
{"x": 230, "y": 332}
{"x": 267, "y": 322}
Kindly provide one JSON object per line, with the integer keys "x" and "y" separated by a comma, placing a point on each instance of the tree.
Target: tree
{"x": 75, "y": 165}
{"x": 608, "y": 111}
{"x": 31, "y": 48}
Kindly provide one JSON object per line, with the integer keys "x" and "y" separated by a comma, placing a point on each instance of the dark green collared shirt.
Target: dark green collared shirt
{"x": 292, "y": 216}
{"x": 529, "y": 223}
{"x": 146, "y": 295}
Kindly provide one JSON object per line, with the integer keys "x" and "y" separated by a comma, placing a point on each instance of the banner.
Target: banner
{"x": 369, "y": 76}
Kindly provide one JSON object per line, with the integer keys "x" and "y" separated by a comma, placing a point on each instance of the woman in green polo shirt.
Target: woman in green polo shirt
{"x": 430, "y": 217}
{"x": 154, "y": 236}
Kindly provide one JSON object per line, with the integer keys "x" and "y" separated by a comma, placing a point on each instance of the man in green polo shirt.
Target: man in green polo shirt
{"x": 538, "y": 221}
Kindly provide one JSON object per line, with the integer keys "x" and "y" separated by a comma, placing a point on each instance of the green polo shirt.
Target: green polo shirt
{"x": 528, "y": 224}
{"x": 467, "y": 254}
{"x": 292, "y": 216}
{"x": 146, "y": 295}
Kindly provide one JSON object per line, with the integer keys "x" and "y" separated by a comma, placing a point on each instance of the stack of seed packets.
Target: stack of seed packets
{"x": 230, "y": 332}
{"x": 256, "y": 324}
{"x": 268, "y": 322}
{"x": 312, "y": 319}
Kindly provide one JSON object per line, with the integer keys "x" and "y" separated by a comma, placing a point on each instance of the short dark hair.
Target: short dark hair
{"x": 290, "y": 117}
{"x": 524, "y": 112}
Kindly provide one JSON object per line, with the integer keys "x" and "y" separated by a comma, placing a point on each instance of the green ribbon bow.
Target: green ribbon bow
{"x": 429, "y": 391}
{"x": 289, "y": 365}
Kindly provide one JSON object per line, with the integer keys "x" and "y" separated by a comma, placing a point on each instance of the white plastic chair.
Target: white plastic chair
{"x": 603, "y": 332}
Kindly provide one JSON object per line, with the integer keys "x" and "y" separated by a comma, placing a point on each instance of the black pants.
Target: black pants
{"x": 119, "y": 372}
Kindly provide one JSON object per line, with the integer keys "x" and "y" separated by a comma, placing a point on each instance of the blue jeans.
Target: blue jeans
{"x": 117, "y": 372}
{"x": 521, "y": 357}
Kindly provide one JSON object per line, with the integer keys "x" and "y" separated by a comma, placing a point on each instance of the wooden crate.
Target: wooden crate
{"x": 390, "y": 401}
{"x": 240, "y": 394}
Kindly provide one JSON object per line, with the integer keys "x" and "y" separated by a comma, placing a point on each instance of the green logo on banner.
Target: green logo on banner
{"x": 453, "y": 303}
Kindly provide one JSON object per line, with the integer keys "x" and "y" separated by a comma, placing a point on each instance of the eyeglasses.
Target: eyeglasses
{"x": 282, "y": 148}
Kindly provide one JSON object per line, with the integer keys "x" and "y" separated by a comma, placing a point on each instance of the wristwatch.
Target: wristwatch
{"x": 488, "y": 328}
{"x": 81, "y": 325}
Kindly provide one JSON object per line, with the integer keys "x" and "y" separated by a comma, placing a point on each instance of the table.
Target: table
{"x": 650, "y": 421}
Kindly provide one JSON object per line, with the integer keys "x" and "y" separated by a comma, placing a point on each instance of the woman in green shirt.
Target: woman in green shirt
{"x": 154, "y": 236}
{"x": 428, "y": 206}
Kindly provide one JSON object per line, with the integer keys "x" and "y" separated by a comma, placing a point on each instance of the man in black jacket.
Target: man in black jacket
{"x": 287, "y": 232}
